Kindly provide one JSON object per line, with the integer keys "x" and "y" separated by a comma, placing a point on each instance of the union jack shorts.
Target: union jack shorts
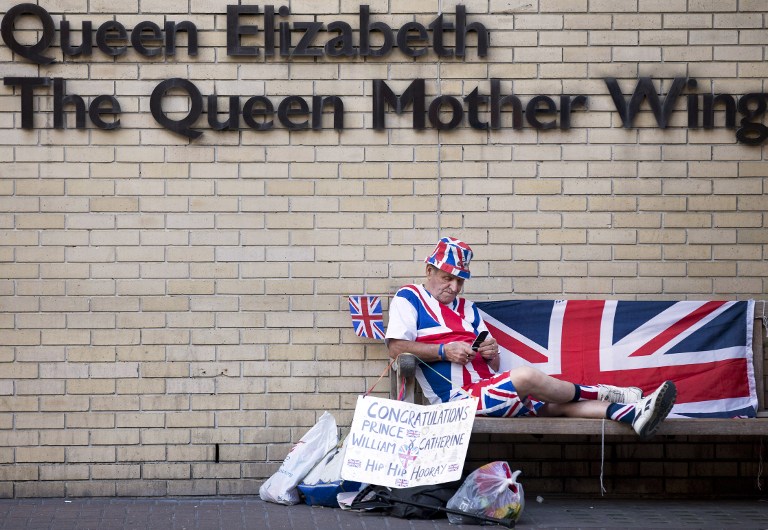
{"x": 497, "y": 397}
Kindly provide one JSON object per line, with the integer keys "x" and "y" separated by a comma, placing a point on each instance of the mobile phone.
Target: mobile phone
{"x": 479, "y": 340}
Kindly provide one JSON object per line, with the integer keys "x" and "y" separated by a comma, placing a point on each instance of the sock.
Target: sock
{"x": 620, "y": 412}
{"x": 585, "y": 392}
{"x": 576, "y": 393}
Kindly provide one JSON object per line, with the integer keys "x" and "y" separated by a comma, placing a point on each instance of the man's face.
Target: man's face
{"x": 443, "y": 286}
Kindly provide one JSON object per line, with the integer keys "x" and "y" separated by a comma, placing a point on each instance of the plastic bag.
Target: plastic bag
{"x": 328, "y": 468}
{"x": 323, "y": 483}
{"x": 313, "y": 446}
{"x": 491, "y": 490}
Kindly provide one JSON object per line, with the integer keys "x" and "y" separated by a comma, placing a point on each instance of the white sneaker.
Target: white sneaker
{"x": 652, "y": 410}
{"x": 617, "y": 394}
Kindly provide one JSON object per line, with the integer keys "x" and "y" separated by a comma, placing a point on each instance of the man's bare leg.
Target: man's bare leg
{"x": 532, "y": 382}
{"x": 529, "y": 381}
{"x": 579, "y": 409}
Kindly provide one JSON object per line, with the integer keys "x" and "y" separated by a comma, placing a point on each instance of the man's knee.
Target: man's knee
{"x": 524, "y": 378}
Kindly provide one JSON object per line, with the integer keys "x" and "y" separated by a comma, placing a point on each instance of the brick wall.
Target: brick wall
{"x": 164, "y": 300}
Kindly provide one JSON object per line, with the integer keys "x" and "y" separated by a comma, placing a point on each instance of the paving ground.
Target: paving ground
{"x": 228, "y": 513}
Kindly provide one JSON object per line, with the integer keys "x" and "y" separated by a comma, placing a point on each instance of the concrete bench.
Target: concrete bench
{"x": 403, "y": 373}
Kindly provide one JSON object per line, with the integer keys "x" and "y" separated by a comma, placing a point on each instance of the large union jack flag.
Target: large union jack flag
{"x": 367, "y": 316}
{"x": 704, "y": 347}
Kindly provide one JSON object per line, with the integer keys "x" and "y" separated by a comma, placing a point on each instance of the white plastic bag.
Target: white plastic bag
{"x": 323, "y": 483}
{"x": 328, "y": 469}
{"x": 491, "y": 490}
{"x": 314, "y": 445}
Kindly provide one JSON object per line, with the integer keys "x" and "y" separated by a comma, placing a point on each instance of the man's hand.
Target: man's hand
{"x": 459, "y": 352}
{"x": 490, "y": 352}
{"x": 489, "y": 349}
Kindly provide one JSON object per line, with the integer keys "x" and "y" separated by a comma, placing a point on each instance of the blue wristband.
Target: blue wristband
{"x": 441, "y": 352}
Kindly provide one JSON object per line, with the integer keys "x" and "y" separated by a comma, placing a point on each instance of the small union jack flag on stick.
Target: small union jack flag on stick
{"x": 367, "y": 316}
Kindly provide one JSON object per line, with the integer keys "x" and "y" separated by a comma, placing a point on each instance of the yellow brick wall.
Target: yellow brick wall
{"x": 161, "y": 296}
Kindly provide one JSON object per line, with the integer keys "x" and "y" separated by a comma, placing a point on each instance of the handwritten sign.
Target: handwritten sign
{"x": 401, "y": 445}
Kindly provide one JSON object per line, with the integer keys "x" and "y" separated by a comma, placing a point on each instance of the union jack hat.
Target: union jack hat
{"x": 452, "y": 256}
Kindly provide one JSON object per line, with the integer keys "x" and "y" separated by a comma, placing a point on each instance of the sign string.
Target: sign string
{"x": 401, "y": 392}
{"x": 461, "y": 390}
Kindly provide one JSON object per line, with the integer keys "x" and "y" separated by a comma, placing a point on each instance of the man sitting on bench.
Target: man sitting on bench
{"x": 433, "y": 323}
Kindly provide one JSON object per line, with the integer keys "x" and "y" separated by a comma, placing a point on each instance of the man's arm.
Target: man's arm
{"x": 456, "y": 352}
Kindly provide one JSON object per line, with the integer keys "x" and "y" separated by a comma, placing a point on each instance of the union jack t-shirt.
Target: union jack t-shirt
{"x": 416, "y": 315}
